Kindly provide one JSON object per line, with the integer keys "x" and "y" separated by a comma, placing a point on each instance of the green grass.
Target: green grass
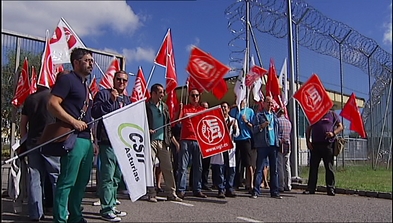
{"x": 357, "y": 177}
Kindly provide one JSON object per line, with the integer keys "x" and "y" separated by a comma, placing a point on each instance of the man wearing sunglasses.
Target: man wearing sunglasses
{"x": 189, "y": 148}
{"x": 106, "y": 101}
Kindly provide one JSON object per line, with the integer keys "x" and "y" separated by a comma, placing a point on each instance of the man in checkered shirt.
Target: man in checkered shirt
{"x": 283, "y": 161}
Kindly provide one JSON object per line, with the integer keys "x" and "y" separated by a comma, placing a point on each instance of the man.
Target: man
{"x": 266, "y": 129}
{"x": 245, "y": 154}
{"x": 205, "y": 164}
{"x": 106, "y": 101}
{"x": 283, "y": 164}
{"x": 223, "y": 164}
{"x": 35, "y": 116}
{"x": 68, "y": 97}
{"x": 322, "y": 134}
{"x": 158, "y": 116}
{"x": 189, "y": 148}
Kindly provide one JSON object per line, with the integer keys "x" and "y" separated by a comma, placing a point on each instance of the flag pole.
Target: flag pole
{"x": 77, "y": 37}
{"x": 247, "y": 64}
{"x": 291, "y": 102}
{"x": 148, "y": 79}
{"x": 188, "y": 116}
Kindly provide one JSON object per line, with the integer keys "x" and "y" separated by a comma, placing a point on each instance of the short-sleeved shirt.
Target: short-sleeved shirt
{"x": 325, "y": 124}
{"x": 187, "y": 131}
{"x": 245, "y": 130}
{"x": 38, "y": 115}
{"x": 74, "y": 92}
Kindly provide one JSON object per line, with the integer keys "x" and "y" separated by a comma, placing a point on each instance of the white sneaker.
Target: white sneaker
{"x": 97, "y": 203}
{"x": 119, "y": 213}
{"x": 118, "y": 202}
{"x": 111, "y": 217}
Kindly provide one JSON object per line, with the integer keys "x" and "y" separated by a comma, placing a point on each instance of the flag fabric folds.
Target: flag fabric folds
{"x": 166, "y": 58}
{"x": 220, "y": 90}
{"x": 211, "y": 131}
{"x": 63, "y": 41}
{"x": 93, "y": 87}
{"x": 173, "y": 104}
{"x": 130, "y": 140}
{"x": 313, "y": 99}
{"x": 140, "y": 90}
{"x": 33, "y": 80}
{"x": 273, "y": 87}
{"x": 283, "y": 80}
{"x": 351, "y": 112}
{"x": 205, "y": 69}
{"x": 23, "y": 88}
{"x": 240, "y": 89}
{"x": 46, "y": 76}
{"x": 107, "y": 81}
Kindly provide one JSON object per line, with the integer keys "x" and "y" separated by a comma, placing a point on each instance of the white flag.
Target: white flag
{"x": 64, "y": 39}
{"x": 130, "y": 140}
{"x": 240, "y": 89}
{"x": 256, "y": 88}
{"x": 283, "y": 80}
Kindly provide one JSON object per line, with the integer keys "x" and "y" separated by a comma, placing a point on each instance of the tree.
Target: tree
{"x": 8, "y": 85}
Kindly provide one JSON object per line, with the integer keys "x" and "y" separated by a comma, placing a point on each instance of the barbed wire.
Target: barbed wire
{"x": 315, "y": 32}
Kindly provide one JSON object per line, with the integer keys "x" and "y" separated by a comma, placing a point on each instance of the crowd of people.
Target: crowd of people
{"x": 260, "y": 137}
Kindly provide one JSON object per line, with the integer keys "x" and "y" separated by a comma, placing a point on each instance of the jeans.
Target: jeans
{"x": 224, "y": 177}
{"x": 189, "y": 152}
{"x": 39, "y": 167}
{"x": 284, "y": 171}
{"x": 264, "y": 152}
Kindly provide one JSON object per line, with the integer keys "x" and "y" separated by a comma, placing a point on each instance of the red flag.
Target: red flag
{"x": 273, "y": 87}
{"x": 255, "y": 73}
{"x": 352, "y": 114}
{"x": 221, "y": 89}
{"x": 94, "y": 87}
{"x": 33, "y": 80}
{"x": 314, "y": 99}
{"x": 193, "y": 85}
{"x": 107, "y": 81}
{"x": 211, "y": 132}
{"x": 205, "y": 69}
{"x": 140, "y": 87}
{"x": 173, "y": 104}
{"x": 46, "y": 77}
{"x": 23, "y": 87}
{"x": 166, "y": 58}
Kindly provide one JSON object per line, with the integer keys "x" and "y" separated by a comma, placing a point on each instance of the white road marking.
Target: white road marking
{"x": 248, "y": 219}
{"x": 182, "y": 203}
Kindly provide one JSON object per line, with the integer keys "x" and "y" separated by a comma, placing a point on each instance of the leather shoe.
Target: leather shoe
{"x": 331, "y": 193}
{"x": 200, "y": 194}
{"x": 308, "y": 192}
{"x": 230, "y": 194}
{"x": 181, "y": 195}
{"x": 220, "y": 195}
{"x": 206, "y": 188}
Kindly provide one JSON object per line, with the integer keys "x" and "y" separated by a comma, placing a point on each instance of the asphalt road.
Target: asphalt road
{"x": 294, "y": 207}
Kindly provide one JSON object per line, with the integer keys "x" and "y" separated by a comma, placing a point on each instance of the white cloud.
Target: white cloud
{"x": 139, "y": 54}
{"x": 387, "y": 36}
{"x": 85, "y": 17}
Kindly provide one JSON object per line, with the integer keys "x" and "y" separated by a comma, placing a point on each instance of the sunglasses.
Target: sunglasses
{"x": 194, "y": 95}
{"x": 121, "y": 79}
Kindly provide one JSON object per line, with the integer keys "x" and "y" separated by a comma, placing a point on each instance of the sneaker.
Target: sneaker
{"x": 174, "y": 198}
{"x": 119, "y": 213}
{"x": 220, "y": 195}
{"x": 110, "y": 217}
{"x": 118, "y": 202}
{"x": 276, "y": 197}
{"x": 97, "y": 203}
{"x": 254, "y": 196}
{"x": 152, "y": 199}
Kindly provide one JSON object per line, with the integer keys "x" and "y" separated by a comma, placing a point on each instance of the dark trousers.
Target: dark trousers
{"x": 322, "y": 151}
{"x": 205, "y": 172}
{"x": 239, "y": 169}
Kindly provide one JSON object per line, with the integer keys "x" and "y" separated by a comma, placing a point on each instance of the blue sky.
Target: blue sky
{"x": 136, "y": 29}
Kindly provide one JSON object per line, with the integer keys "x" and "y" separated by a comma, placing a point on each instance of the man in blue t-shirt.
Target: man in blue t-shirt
{"x": 245, "y": 153}
{"x": 69, "y": 97}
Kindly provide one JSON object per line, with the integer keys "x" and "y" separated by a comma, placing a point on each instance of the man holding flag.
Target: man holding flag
{"x": 189, "y": 148}
{"x": 158, "y": 116}
{"x": 106, "y": 101}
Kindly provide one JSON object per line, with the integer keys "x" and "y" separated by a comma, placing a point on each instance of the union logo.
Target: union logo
{"x": 210, "y": 130}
